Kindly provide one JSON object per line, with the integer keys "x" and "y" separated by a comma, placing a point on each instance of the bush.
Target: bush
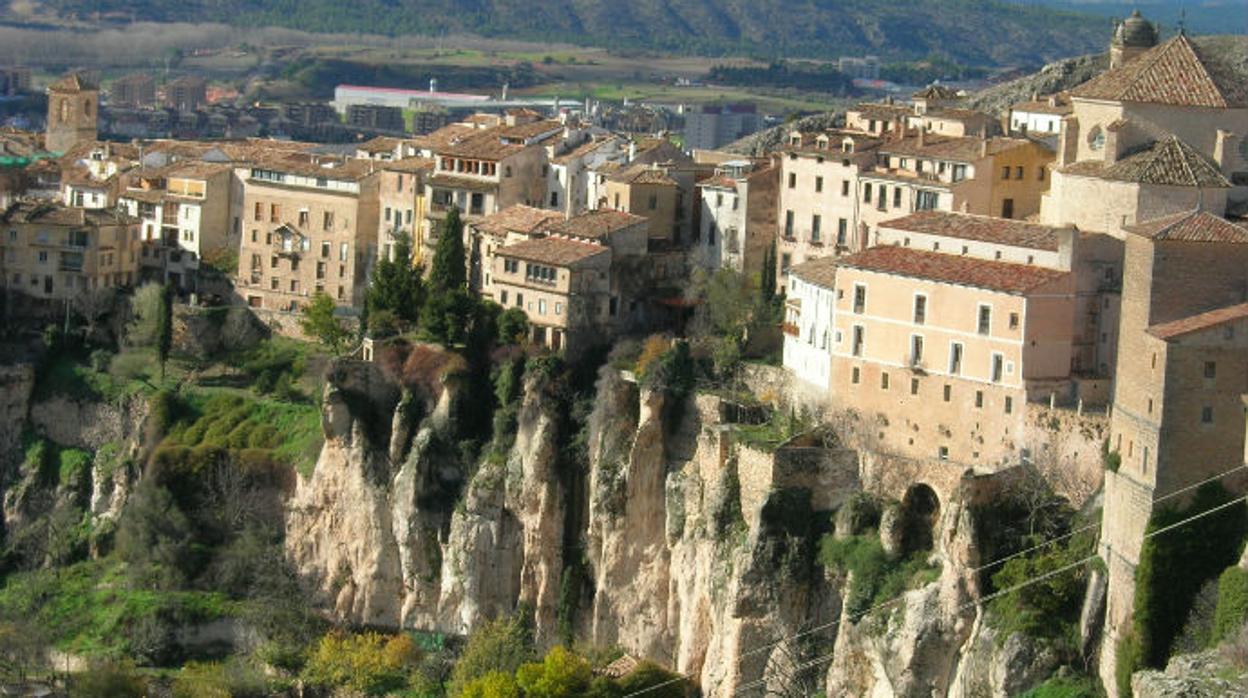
{"x": 109, "y": 680}
{"x": 231, "y": 679}
{"x": 1232, "y": 609}
{"x": 877, "y": 578}
{"x": 513, "y": 326}
{"x": 649, "y": 677}
{"x": 1066, "y": 687}
{"x": 1129, "y": 657}
{"x": 498, "y": 646}
{"x": 368, "y": 662}
{"x": 496, "y": 684}
{"x": 561, "y": 674}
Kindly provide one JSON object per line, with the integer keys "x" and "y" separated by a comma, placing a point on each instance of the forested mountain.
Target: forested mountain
{"x": 968, "y": 31}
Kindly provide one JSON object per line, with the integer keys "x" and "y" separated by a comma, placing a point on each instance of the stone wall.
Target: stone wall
{"x": 1065, "y": 444}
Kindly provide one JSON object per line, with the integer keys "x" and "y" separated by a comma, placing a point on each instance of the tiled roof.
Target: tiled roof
{"x": 952, "y": 269}
{"x": 532, "y": 129}
{"x": 1176, "y": 72}
{"x": 1192, "y": 226}
{"x": 596, "y": 224}
{"x": 481, "y": 145}
{"x": 558, "y": 252}
{"x": 380, "y": 144}
{"x": 467, "y": 183}
{"x": 957, "y": 114}
{"x": 518, "y": 218}
{"x": 959, "y": 148}
{"x": 195, "y": 169}
{"x": 59, "y": 214}
{"x": 344, "y": 169}
{"x": 1203, "y": 321}
{"x": 643, "y": 174}
{"x": 882, "y": 111}
{"x": 821, "y": 271}
{"x": 965, "y": 226}
{"x": 719, "y": 181}
{"x": 584, "y": 149}
{"x": 72, "y": 83}
{"x": 410, "y": 164}
{"x": 1061, "y": 107}
{"x": 936, "y": 92}
{"x": 444, "y": 136}
{"x": 1169, "y": 161}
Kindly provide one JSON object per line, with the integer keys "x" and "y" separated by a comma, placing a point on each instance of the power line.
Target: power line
{"x": 1048, "y": 575}
{"x": 898, "y": 599}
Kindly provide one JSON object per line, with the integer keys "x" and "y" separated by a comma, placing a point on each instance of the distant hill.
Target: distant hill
{"x": 976, "y": 32}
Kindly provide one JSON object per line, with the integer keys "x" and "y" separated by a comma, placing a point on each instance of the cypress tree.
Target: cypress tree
{"x": 449, "y": 270}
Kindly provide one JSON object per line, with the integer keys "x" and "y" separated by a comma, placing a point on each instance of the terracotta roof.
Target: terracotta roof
{"x": 411, "y": 164}
{"x": 59, "y": 214}
{"x": 1169, "y": 161}
{"x": 643, "y": 174}
{"x": 468, "y": 183}
{"x": 1196, "y": 323}
{"x": 443, "y": 136}
{"x": 919, "y": 179}
{"x": 380, "y": 144}
{"x": 481, "y": 145}
{"x": 347, "y": 169}
{"x": 596, "y": 224}
{"x": 719, "y": 181}
{"x": 1192, "y": 226}
{"x": 956, "y": 114}
{"x": 935, "y": 91}
{"x": 558, "y": 252}
{"x": 195, "y": 169}
{"x": 151, "y": 196}
{"x": 959, "y": 148}
{"x": 621, "y": 667}
{"x": 821, "y": 271}
{"x": 584, "y": 149}
{"x": 952, "y": 269}
{"x": 1044, "y": 106}
{"x": 965, "y": 226}
{"x": 518, "y": 218}
{"x": 1176, "y": 72}
{"x": 885, "y": 111}
{"x": 532, "y": 129}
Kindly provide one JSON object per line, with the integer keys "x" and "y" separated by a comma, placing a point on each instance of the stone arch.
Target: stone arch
{"x": 920, "y": 513}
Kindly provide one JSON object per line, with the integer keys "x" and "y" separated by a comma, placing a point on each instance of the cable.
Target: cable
{"x": 1029, "y": 582}
{"x": 896, "y": 600}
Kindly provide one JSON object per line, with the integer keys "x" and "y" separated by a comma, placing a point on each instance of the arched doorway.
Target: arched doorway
{"x": 920, "y": 512}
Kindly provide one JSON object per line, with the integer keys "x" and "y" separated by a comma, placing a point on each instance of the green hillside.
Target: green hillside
{"x": 968, "y": 31}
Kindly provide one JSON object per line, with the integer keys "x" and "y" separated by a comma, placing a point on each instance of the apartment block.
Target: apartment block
{"x": 401, "y": 191}
{"x": 134, "y": 90}
{"x": 309, "y": 225}
{"x": 738, "y": 217}
{"x": 53, "y": 252}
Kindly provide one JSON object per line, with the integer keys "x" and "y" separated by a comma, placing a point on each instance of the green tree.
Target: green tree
{"x": 143, "y": 329}
{"x": 319, "y": 321}
{"x": 155, "y": 537}
{"x": 767, "y": 279}
{"x": 513, "y": 326}
{"x": 109, "y": 680}
{"x": 449, "y": 271}
{"x": 501, "y": 645}
{"x": 495, "y": 684}
{"x": 164, "y": 328}
{"x": 397, "y": 287}
{"x": 655, "y": 681}
{"x": 561, "y": 674}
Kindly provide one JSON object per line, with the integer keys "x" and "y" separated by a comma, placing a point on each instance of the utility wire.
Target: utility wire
{"x": 896, "y": 600}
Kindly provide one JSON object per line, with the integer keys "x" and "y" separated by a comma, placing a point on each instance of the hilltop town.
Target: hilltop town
{"x": 920, "y": 302}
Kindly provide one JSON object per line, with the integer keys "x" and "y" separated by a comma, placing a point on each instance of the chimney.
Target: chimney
{"x": 1224, "y": 145}
{"x": 1068, "y": 141}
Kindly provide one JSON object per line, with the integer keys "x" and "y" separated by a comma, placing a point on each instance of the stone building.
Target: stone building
{"x": 73, "y": 110}
{"x": 186, "y": 93}
{"x": 738, "y": 217}
{"x": 134, "y": 90}
{"x": 513, "y": 224}
{"x": 309, "y": 225}
{"x": 401, "y": 188}
{"x": 52, "y": 251}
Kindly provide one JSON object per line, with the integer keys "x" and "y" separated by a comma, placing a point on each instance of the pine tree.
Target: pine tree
{"x": 397, "y": 290}
{"x": 449, "y": 271}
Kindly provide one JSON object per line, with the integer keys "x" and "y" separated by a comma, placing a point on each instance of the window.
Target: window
{"x": 502, "y": 297}
{"x": 1206, "y": 415}
{"x": 303, "y": 217}
{"x": 884, "y": 380}
{"x": 855, "y": 375}
{"x": 896, "y": 197}
{"x": 1211, "y": 369}
{"x": 959, "y": 173}
{"x": 866, "y": 193}
{"x": 1009, "y": 404}
{"x": 734, "y": 202}
{"x": 786, "y": 261}
{"x": 1018, "y": 172}
{"x": 541, "y": 306}
{"x": 259, "y": 212}
{"x": 344, "y": 250}
{"x": 1013, "y": 321}
{"x": 914, "y": 386}
{"x": 273, "y": 283}
{"x": 519, "y": 300}
{"x": 325, "y": 250}
{"x": 301, "y": 214}
{"x": 943, "y": 453}
{"x": 1040, "y": 173}
{"x": 926, "y": 200}
{"x": 818, "y": 184}
{"x": 815, "y": 223}
{"x": 558, "y": 308}
{"x": 788, "y": 224}
{"x": 1005, "y": 172}
{"x": 860, "y": 299}
{"x": 920, "y": 310}
{"x": 998, "y": 367}
{"x": 844, "y": 187}
{"x": 916, "y": 349}
{"x": 275, "y": 213}
{"x": 955, "y": 359}
{"x": 792, "y": 180}
{"x": 273, "y": 262}
{"x": 979, "y": 398}
{"x": 554, "y": 199}
{"x": 842, "y": 232}
{"x": 985, "y": 319}
{"x": 859, "y": 333}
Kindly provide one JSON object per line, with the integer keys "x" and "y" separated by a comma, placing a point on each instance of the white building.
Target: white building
{"x": 808, "y": 322}
{"x": 1040, "y": 116}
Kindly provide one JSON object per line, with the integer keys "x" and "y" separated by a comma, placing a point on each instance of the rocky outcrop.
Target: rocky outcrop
{"x": 88, "y": 424}
{"x": 16, "y": 384}
{"x": 1202, "y": 675}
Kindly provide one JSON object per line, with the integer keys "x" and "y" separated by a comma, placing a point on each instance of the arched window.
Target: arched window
{"x": 1096, "y": 138}
{"x": 86, "y": 106}
{"x": 63, "y": 107}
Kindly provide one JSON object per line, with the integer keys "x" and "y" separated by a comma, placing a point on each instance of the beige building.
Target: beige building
{"x": 401, "y": 205}
{"x": 647, "y": 191}
{"x": 939, "y": 353}
{"x": 878, "y": 119}
{"x": 485, "y": 235}
{"x": 738, "y": 217}
{"x": 1178, "y": 415}
{"x": 309, "y": 225}
{"x": 817, "y": 209}
{"x": 51, "y": 251}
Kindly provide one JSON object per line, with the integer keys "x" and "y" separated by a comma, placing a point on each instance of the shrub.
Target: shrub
{"x": 877, "y": 578}
{"x": 496, "y": 684}
{"x": 367, "y": 662}
{"x": 1128, "y": 658}
{"x": 501, "y": 645}
{"x": 231, "y": 679}
{"x": 649, "y": 677}
{"x": 654, "y": 348}
{"x": 513, "y": 326}
{"x": 1066, "y": 687}
{"x": 109, "y": 680}
{"x": 561, "y": 674}
{"x": 1232, "y": 609}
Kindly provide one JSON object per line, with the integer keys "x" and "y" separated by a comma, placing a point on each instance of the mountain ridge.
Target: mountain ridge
{"x": 977, "y": 32}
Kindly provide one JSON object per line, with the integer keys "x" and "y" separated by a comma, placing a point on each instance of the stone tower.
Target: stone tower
{"x": 73, "y": 105}
{"x": 1132, "y": 36}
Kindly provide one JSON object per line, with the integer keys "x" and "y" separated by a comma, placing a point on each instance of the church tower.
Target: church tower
{"x": 73, "y": 105}
{"x": 1132, "y": 36}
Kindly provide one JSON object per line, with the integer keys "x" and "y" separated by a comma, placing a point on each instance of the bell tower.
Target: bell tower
{"x": 73, "y": 106}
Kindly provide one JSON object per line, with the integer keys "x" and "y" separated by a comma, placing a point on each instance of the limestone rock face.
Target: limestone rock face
{"x": 1200, "y": 675}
